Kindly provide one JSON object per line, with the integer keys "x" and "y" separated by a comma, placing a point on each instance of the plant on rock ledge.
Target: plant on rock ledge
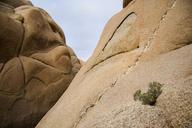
{"x": 150, "y": 97}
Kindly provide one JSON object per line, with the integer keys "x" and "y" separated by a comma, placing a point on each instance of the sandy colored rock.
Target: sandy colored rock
{"x": 126, "y": 2}
{"x": 42, "y": 36}
{"x": 16, "y": 3}
{"x": 11, "y": 37}
{"x": 149, "y": 40}
{"x": 36, "y": 65}
{"x": 76, "y": 63}
{"x": 128, "y": 116}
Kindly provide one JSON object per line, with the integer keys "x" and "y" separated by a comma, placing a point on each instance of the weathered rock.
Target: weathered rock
{"x": 126, "y": 2}
{"x": 128, "y": 117}
{"x": 149, "y": 40}
{"x": 16, "y": 3}
{"x": 11, "y": 35}
{"x": 36, "y": 65}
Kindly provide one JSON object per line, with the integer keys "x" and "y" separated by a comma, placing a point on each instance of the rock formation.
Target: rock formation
{"x": 126, "y": 2}
{"x": 149, "y": 40}
{"x": 36, "y": 65}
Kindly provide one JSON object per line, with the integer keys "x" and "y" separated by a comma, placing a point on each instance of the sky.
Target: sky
{"x": 81, "y": 20}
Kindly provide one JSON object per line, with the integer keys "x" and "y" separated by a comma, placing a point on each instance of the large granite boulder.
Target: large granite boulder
{"x": 16, "y": 3}
{"x": 36, "y": 65}
{"x": 149, "y": 40}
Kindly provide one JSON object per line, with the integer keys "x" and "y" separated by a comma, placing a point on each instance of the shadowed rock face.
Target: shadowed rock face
{"x": 126, "y": 2}
{"x": 16, "y": 3}
{"x": 36, "y": 65}
{"x": 149, "y": 40}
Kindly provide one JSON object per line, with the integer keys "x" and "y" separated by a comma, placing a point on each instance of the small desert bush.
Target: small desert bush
{"x": 150, "y": 97}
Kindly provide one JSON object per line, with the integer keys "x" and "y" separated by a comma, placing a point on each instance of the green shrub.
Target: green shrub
{"x": 150, "y": 97}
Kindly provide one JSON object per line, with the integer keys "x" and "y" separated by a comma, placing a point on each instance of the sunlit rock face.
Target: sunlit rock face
{"x": 36, "y": 65}
{"x": 149, "y": 40}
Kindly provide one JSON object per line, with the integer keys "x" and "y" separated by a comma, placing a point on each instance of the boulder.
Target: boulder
{"x": 16, "y": 3}
{"x": 148, "y": 41}
{"x": 36, "y": 65}
{"x": 126, "y": 2}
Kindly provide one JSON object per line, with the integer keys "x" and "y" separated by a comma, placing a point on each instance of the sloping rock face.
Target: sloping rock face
{"x": 149, "y": 40}
{"x": 36, "y": 65}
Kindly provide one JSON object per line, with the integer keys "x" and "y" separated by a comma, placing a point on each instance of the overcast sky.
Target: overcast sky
{"x": 81, "y": 20}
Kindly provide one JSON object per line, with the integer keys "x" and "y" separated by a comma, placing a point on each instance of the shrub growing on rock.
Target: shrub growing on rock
{"x": 150, "y": 97}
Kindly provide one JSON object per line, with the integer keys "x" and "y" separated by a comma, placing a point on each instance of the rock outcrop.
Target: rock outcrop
{"x": 36, "y": 65}
{"x": 149, "y": 40}
{"x": 126, "y": 2}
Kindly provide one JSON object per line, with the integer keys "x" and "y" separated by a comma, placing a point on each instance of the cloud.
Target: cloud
{"x": 81, "y": 20}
